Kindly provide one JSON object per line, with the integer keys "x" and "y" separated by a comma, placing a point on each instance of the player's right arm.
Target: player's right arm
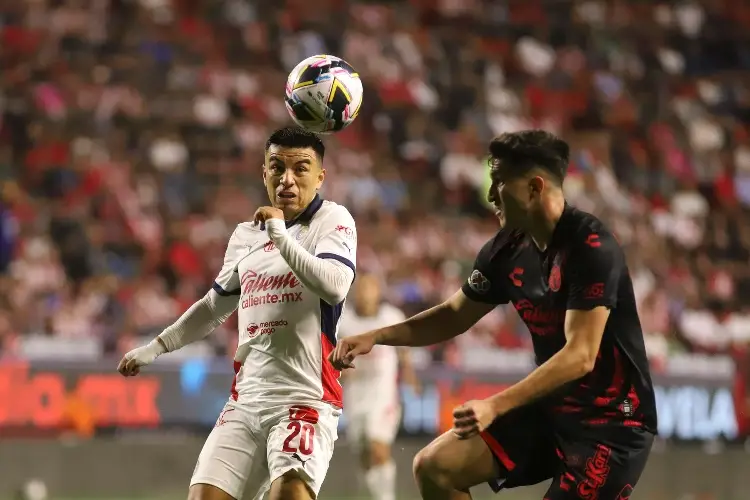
{"x": 437, "y": 324}
{"x": 202, "y": 318}
{"x": 479, "y": 295}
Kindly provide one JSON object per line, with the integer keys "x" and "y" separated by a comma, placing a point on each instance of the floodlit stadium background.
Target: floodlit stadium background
{"x": 131, "y": 136}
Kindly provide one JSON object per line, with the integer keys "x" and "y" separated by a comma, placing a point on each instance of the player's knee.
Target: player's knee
{"x": 290, "y": 486}
{"x": 207, "y": 492}
{"x": 379, "y": 454}
{"x": 428, "y": 466}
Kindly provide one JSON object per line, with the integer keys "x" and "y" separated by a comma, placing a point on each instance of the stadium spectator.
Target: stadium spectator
{"x": 131, "y": 137}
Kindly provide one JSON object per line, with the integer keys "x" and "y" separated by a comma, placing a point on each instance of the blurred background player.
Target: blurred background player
{"x": 371, "y": 392}
{"x": 289, "y": 272}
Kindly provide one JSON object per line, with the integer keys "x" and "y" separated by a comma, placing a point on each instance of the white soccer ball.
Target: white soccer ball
{"x": 323, "y": 94}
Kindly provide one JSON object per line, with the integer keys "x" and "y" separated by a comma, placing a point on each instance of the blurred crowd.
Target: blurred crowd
{"x": 132, "y": 132}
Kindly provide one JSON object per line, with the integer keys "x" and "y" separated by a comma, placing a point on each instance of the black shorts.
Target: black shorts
{"x": 585, "y": 463}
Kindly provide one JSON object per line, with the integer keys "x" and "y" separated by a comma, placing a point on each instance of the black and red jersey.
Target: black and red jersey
{"x": 582, "y": 268}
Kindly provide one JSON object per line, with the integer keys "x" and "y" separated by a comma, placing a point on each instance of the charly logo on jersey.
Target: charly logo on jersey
{"x": 478, "y": 282}
{"x": 265, "y": 328}
{"x": 261, "y": 289}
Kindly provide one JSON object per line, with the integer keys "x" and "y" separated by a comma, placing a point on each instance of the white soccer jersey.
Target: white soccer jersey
{"x": 382, "y": 362}
{"x": 371, "y": 395}
{"x": 285, "y": 331}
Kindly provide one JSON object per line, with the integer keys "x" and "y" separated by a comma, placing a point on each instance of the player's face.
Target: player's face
{"x": 292, "y": 177}
{"x": 367, "y": 292}
{"x": 515, "y": 198}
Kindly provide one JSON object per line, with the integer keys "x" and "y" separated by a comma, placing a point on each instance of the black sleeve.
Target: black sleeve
{"x": 485, "y": 283}
{"x": 595, "y": 266}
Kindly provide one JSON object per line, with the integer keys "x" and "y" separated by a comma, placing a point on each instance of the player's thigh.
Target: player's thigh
{"x": 603, "y": 469}
{"x": 291, "y": 486}
{"x": 524, "y": 448}
{"x": 355, "y": 431}
{"x": 300, "y": 446}
{"x": 454, "y": 463}
{"x": 382, "y": 421}
{"x": 201, "y": 491}
{"x": 381, "y": 428}
{"x": 233, "y": 459}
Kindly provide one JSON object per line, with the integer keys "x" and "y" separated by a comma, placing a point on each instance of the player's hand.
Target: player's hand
{"x": 265, "y": 213}
{"x": 349, "y": 348}
{"x": 130, "y": 364}
{"x": 473, "y": 417}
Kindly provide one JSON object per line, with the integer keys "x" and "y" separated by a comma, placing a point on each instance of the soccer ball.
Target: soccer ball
{"x": 323, "y": 94}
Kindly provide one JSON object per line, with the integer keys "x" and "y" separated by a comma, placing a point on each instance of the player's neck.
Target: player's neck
{"x": 543, "y": 223}
{"x": 292, "y": 213}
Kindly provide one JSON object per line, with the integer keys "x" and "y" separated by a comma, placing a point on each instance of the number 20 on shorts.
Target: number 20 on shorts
{"x": 302, "y": 430}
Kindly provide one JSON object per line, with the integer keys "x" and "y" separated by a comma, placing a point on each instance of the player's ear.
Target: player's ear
{"x": 321, "y": 177}
{"x": 265, "y": 174}
{"x": 536, "y": 185}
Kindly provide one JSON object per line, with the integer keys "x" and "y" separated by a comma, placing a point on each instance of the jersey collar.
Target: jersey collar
{"x": 306, "y": 215}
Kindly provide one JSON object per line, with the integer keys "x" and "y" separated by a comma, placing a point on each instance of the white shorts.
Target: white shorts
{"x": 249, "y": 448}
{"x": 373, "y": 413}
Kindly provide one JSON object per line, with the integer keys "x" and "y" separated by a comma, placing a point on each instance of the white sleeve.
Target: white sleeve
{"x": 213, "y": 309}
{"x": 338, "y": 238}
{"x": 227, "y": 283}
{"x": 327, "y": 274}
{"x": 199, "y": 320}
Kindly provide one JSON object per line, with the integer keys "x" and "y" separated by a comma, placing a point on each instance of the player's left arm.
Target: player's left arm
{"x": 593, "y": 272}
{"x": 328, "y": 273}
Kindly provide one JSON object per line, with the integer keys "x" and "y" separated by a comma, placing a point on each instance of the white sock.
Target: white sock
{"x": 381, "y": 481}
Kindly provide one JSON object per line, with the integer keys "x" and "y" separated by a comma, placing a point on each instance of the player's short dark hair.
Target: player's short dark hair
{"x": 521, "y": 151}
{"x": 297, "y": 137}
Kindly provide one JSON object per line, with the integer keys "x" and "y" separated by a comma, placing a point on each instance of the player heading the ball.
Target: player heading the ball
{"x": 288, "y": 271}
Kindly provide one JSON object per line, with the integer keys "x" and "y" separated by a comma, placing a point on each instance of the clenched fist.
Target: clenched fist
{"x": 349, "y": 348}
{"x": 265, "y": 213}
{"x": 130, "y": 364}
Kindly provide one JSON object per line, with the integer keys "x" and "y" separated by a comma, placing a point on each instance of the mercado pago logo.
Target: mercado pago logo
{"x": 260, "y": 289}
{"x": 265, "y": 328}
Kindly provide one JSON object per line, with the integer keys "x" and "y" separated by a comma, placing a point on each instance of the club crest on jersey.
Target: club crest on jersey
{"x": 555, "y": 278}
{"x": 269, "y": 246}
{"x": 478, "y": 282}
{"x": 301, "y": 234}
